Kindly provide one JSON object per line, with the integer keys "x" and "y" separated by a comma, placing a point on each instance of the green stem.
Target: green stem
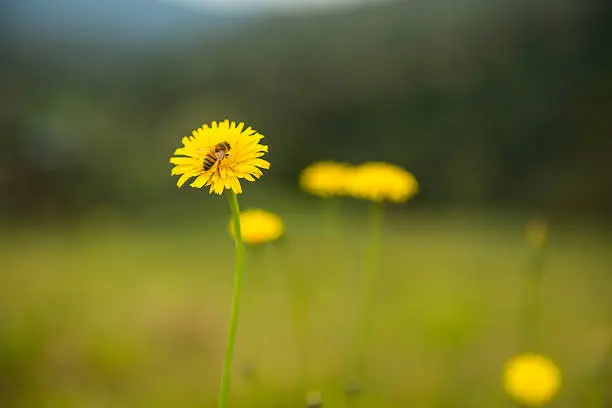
{"x": 231, "y": 338}
{"x": 376, "y": 212}
{"x": 372, "y": 268}
{"x": 370, "y": 282}
{"x": 532, "y": 300}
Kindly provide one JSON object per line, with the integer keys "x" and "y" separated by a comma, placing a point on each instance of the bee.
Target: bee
{"x": 216, "y": 153}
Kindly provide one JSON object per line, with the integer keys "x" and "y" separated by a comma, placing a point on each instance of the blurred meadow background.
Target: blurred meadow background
{"x": 115, "y": 286}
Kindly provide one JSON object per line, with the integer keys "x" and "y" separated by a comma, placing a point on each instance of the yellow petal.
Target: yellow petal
{"x": 236, "y": 186}
{"x": 183, "y": 168}
{"x": 218, "y": 187}
{"x": 183, "y": 160}
{"x": 183, "y": 179}
{"x": 260, "y": 163}
{"x": 200, "y": 181}
{"x": 181, "y": 151}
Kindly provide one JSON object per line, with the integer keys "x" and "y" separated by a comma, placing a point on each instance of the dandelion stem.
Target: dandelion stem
{"x": 369, "y": 285}
{"x": 229, "y": 352}
{"x": 372, "y": 265}
{"x": 531, "y": 300}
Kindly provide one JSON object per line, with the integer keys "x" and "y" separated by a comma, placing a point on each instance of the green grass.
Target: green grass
{"x": 127, "y": 314}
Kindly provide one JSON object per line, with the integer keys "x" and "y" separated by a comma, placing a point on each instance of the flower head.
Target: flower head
{"x": 326, "y": 178}
{"x": 537, "y": 233}
{"x": 259, "y": 226}
{"x": 378, "y": 181}
{"x": 218, "y": 155}
{"x": 531, "y": 379}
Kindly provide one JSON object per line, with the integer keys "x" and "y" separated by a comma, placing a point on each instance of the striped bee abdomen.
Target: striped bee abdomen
{"x": 209, "y": 161}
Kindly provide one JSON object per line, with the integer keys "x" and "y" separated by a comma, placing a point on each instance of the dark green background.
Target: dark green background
{"x": 501, "y": 105}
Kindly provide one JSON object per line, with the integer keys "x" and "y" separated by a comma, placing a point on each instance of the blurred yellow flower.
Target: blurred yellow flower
{"x": 259, "y": 226}
{"x": 377, "y": 181}
{"x": 326, "y": 178}
{"x": 537, "y": 233}
{"x": 531, "y": 379}
{"x": 218, "y": 155}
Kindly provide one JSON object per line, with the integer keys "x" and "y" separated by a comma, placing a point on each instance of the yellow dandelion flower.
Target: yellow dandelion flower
{"x": 537, "y": 233}
{"x": 325, "y": 179}
{"x": 218, "y": 155}
{"x": 531, "y": 379}
{"x": 378, "y": 181}
{"x": 259, "y": 226}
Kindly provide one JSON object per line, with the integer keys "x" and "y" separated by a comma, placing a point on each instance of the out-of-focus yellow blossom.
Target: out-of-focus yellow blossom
{"x": 537, "y": 233}
{"x": 259, "y": 226}
{"x": 531, "y": 379}
{"x": 377, "y": 181}
{"x": 326, "y": 178}
{"x": 240, "y": 159}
